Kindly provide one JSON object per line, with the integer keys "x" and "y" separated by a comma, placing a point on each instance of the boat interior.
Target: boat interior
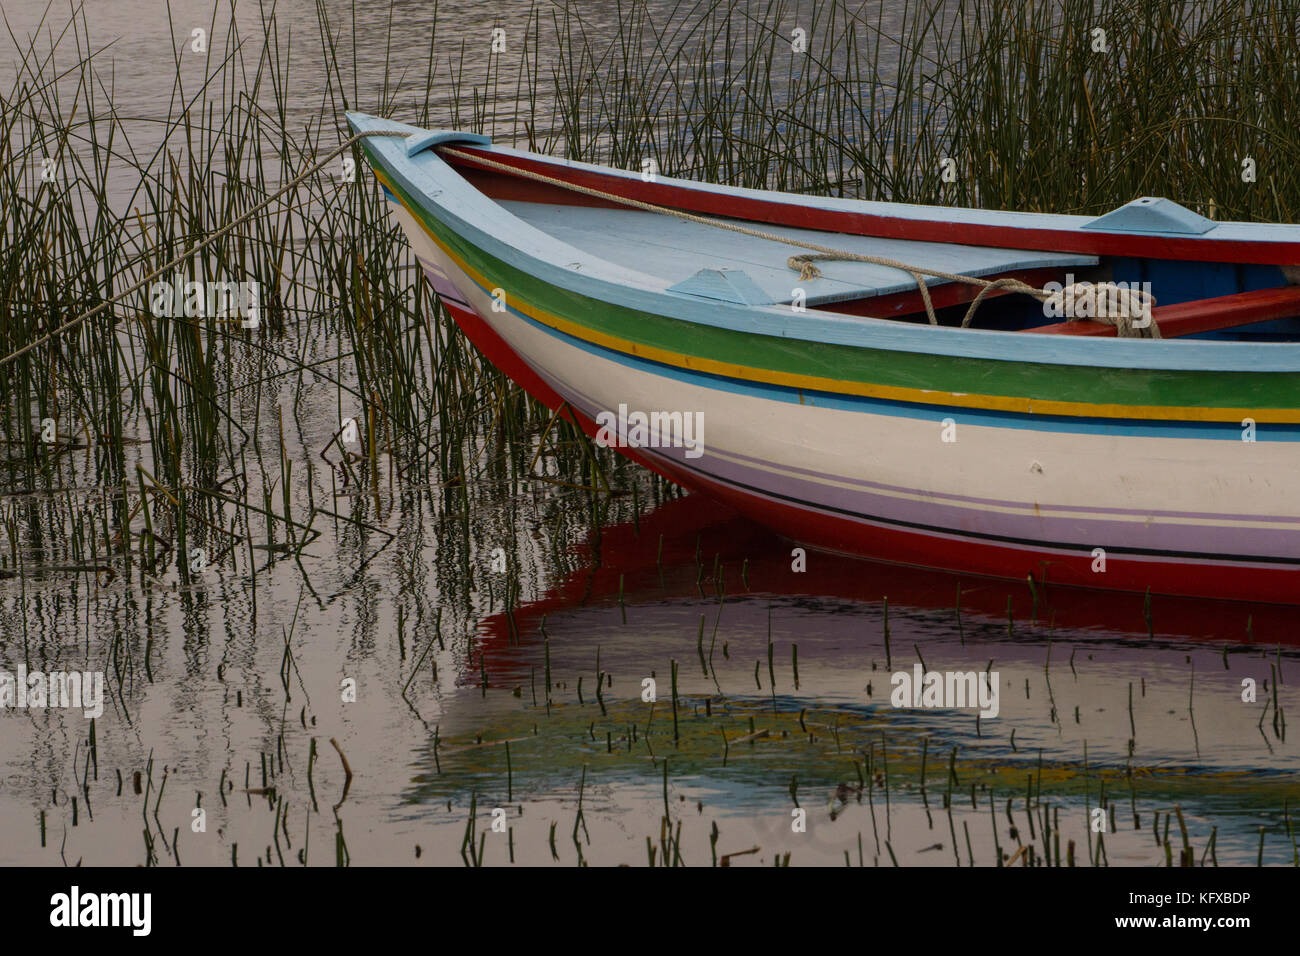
{"x": 1192, "y": 299}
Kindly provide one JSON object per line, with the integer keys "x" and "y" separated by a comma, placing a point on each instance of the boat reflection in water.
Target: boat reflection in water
{"x": 1091, "y": 699}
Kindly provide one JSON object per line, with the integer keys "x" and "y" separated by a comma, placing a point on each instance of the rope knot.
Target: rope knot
{"x": 807, "y": 271}
{"x": 1128, "y": 309}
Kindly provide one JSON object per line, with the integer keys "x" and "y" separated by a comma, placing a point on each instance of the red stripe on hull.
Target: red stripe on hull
{"x": 830, "y": 532}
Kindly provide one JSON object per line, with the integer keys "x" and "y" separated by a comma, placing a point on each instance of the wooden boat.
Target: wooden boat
{"x": 849, "y": 417}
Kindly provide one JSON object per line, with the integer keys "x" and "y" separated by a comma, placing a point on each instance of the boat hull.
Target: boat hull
{"x": 1169, "y": 505}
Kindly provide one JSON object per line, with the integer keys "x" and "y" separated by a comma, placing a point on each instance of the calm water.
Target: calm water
{"x": 392, "y": 648}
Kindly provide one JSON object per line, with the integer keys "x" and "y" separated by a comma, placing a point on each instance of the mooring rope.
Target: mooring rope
{"x": 807, "y": 271}
{"x": 224, "y": 230}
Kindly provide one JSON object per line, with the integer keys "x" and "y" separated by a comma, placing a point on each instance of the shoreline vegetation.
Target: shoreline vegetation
{"x": 145, "y": 453}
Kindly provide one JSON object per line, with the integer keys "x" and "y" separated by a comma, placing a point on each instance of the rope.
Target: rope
{"x": 1129, "y": 304}
{"x": 804, "y": 263}
{"x": 224, "y": 230}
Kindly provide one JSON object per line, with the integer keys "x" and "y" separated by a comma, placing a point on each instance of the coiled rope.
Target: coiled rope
{"x": 804, "y": 263}
{"x": 1111, "y": 305}
{"x": 178, "y": 260}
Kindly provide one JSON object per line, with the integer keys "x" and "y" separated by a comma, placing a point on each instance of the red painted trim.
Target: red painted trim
{"x": 1203, "y": 315}
{"x": 893, "y": 227}
{"x": 496, "y": 185}
{"x": 898, "y": 546}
